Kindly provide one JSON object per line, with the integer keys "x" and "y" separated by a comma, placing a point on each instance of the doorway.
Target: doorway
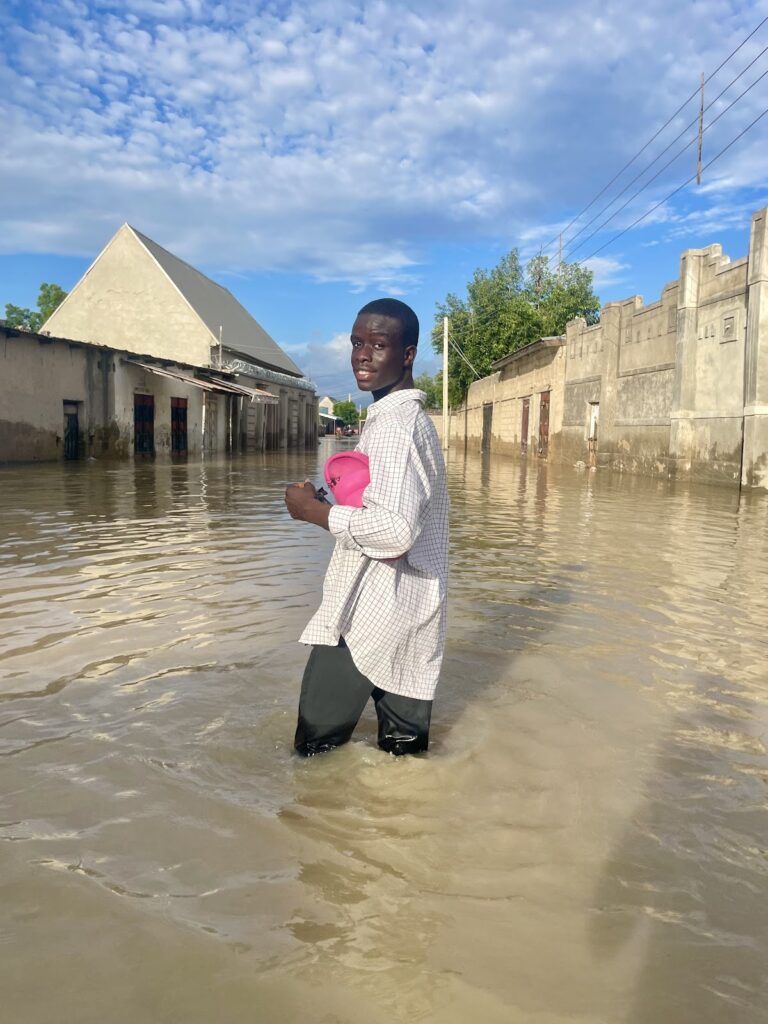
{"x": 524, "y": 426}
{"x": 71, "y": 430}
{"x": 544, "y": 423}
{"x": 144, "y": 424}
{"x": 178, "y": 426}
{"x": 485, "y": 444}
{"x": 594, "y": 419}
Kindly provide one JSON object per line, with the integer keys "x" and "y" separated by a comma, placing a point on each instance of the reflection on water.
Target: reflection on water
{"x": 587, "y": 838}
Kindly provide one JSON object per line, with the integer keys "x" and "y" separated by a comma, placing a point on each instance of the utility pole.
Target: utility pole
{"x": 221, "y": 346}
{"x": 560, "y": 256}
{"x": 701, "y": 131}
{"x": 445, "y": 383}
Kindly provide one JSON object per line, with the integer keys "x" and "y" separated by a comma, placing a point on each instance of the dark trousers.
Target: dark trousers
{"x": 333, "y": 695}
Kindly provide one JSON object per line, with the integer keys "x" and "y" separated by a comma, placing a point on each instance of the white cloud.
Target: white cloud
{"x": 327, "y": 363}
{"x": 339, "y": 138}
{"x": 607, "y": 271}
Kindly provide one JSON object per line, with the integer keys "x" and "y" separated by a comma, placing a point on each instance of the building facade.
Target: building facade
{"x": 140, "y": 300}
{"x": 62, "y": 399}
{"x": 678, "y": 387}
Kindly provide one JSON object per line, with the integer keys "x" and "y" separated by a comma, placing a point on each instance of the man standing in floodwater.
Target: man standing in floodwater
{"x": 380, "y": 630}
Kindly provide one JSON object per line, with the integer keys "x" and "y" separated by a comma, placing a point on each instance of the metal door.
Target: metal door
{"x": 178, "y": 426}
{"x": 71, "y": 431}
{"x": 485, "y": 444}
{"x": 524, "y": 426}
{"x": 144, "y": 424}
{"x": 544, "y": 423}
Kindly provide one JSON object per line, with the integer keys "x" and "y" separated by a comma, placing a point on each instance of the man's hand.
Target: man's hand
{"x": 302, "y": 503}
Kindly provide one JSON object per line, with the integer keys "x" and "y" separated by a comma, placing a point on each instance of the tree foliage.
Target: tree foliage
{"x": 506, "y": 308}
{"x": 347, "y": 412}
{"x": 49, "y": 298}
{"x": 432, "y": 388}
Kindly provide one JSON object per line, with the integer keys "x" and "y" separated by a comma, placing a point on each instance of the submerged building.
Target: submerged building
{"x": 147, "y": 356}
{"x": 678, "y": 387}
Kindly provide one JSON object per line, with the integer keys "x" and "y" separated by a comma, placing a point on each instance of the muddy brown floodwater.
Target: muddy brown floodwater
{"x": 586, "y": 841}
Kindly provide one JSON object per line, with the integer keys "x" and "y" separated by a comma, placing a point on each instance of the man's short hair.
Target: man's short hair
{"x": 409, "y": 322}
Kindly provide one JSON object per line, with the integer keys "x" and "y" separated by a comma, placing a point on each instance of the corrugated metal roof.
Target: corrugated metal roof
{"x": 217, "y": 307}
{"x": 254, "y": 394}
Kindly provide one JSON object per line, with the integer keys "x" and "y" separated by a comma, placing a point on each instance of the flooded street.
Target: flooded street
{"x": 587, "y": 839}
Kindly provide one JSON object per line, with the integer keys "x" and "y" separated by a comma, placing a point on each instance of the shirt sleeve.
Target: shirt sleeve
{"x": 396, "y": 500}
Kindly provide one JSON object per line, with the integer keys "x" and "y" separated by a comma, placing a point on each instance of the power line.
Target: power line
{"x": 661, "y": 202}
{"x": 455, "y": 345}
{"x": 656, "y": 135}
{"x": 674, "y": 192}
{"x": 667, "y": 148}
{"x": 650, "y": 181}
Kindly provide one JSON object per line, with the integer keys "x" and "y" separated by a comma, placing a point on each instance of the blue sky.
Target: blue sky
{"x": 311, "y": 156}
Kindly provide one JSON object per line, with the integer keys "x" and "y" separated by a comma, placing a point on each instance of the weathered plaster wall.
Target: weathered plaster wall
{"x": 528, "y": 377}
{"x": 126, "y": 301}
{"x": 131, "y": 380}
{"x": 706, "y": 420}
{"x": 755, "y": 463}
{"x": 31, "y": 415}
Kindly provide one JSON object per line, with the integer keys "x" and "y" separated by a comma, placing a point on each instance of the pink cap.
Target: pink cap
{"x": 347, "y": 475}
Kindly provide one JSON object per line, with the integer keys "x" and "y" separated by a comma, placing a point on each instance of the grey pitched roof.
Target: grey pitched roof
{"x": 217, "y": 307}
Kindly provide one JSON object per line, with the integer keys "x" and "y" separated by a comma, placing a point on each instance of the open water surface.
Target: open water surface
{"x": 587, "y": 840}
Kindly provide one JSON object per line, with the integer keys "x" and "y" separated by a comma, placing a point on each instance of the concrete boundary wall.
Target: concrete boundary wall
{"x": 676, "y": 387}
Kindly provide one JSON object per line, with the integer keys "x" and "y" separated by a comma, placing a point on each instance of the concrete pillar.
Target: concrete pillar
{"x": 282, "y": 441}
{"x": 754, "y": 471}
{"x": 610, "y": 322}
{"x": 682, "y": 424}
{"x": 301, "y": 422}
{"x": 312, "y": 423}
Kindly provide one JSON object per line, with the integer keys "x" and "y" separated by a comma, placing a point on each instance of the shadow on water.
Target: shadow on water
{"x": 679, "y": 890}
{"x": 680, "y": 887}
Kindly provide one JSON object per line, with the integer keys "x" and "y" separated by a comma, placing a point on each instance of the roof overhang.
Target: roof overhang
{"x": 554, "y": 341}
{"x": 209, "y": 384}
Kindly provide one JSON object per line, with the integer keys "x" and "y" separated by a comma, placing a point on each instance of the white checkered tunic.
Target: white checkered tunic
{"x": 385, "y": 588}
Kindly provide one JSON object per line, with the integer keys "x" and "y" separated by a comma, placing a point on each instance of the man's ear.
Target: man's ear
{"x": 409, "y": 355}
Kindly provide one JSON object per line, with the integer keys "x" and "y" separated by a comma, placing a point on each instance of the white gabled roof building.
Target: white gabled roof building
{"x": 139, "y": 297}
{"x": 141, "y": 300}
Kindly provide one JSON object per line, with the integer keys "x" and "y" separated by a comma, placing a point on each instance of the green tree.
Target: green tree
{"x": 49, "y": 298}
{"x": 21, "y": 318}
{"x": 432, "y": 387}
{"x": 560, "y": 295}
{"x": 506, "y": 308}
{"x": 347, "y": 412}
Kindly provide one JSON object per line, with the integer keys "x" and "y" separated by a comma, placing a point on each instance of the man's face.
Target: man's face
{"x": 379, "y": 361}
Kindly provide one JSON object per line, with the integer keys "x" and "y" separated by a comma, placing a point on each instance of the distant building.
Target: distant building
{"x": 328, "y": 421}
{"x": 677, "y": 387}
{"x": 157, "y": 313}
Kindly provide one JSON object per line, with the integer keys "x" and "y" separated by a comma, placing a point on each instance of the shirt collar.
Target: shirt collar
{"x": 395, "y": 398}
